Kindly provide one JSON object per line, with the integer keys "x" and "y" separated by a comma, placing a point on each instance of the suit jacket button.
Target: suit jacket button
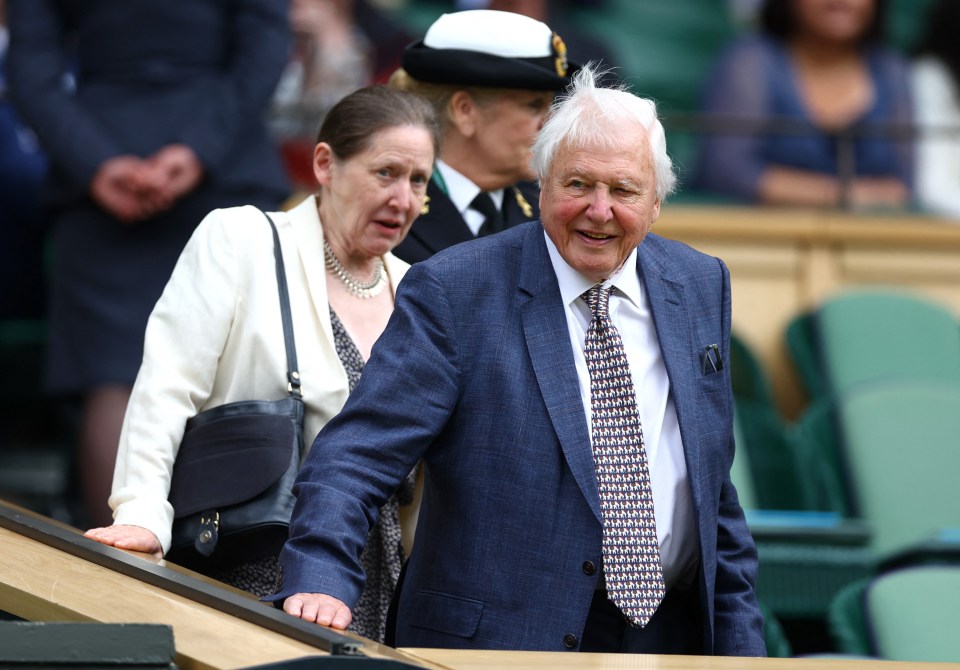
{"x": 589, "y": 568}
{"x": 569, "y": 641}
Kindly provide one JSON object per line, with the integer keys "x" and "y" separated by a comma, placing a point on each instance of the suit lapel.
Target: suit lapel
{"x": 442, "y": 226}
{"x": 548, "y": 342}
{"x": 671, "y": 316}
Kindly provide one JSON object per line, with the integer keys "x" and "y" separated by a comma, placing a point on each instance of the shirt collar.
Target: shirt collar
{"x": 461, "y": 190}
{"x": 573, "y": 284}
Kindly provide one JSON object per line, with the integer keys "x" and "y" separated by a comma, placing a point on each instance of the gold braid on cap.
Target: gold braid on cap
{"x": 560, "y": 62}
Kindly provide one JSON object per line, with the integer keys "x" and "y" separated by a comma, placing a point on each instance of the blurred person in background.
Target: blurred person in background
{"x": 23, "y": 218}
{"x": 819, "y": 69}
{"x": 936, "y": 96}
{"x": 338, "y": 46}
{"x": 491, "y": 76}
{"x": 162, "y": 122}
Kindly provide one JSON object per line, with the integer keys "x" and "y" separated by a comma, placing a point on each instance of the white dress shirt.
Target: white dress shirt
{"x": 630, "y": 312}
{"x": 462, "y": 191}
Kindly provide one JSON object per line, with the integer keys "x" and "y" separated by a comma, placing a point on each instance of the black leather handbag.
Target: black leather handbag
{"x": 232, "y": 484}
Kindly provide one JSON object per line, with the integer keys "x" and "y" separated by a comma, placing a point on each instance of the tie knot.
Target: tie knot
{"x": 483, "y": 203}
{"x": 598, "y": 299}
{"x": 492, "y": 218}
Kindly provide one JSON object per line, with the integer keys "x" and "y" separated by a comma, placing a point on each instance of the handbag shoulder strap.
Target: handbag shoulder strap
{"x": 293, "y": 374}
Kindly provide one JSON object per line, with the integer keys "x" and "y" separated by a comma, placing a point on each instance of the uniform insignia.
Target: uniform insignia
{"x": 425, "y": 207}
{"x": 560, "y": 62}
{"x": 524, "y": 205}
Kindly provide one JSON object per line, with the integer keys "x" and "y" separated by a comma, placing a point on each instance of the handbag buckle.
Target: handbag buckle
{"x": 208, "y": 533}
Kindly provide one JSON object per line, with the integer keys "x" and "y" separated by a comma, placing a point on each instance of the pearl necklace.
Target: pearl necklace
{"x": 369, "y": 289}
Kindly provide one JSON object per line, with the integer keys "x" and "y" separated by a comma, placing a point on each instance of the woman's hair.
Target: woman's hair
{"x": 350, "y": 124}
{"x": 439, "y": 95}
{"x": 574, "y": 117}
{"x": 777, "y": 18}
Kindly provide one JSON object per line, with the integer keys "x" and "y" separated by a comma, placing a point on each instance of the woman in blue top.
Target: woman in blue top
{"x": 818, "y": 71}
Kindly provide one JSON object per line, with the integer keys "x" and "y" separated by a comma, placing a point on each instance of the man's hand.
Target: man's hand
{"x": 320, "y": 608}
{"x": 132, "y": 538}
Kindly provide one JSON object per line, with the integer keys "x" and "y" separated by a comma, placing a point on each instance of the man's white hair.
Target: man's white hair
{"x": 588, "y": 115}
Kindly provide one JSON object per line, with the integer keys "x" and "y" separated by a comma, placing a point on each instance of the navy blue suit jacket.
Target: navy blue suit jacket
{"x": 475, "y": 376}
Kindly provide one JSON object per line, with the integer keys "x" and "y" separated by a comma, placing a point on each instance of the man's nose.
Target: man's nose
{"x": 600, "y": 209}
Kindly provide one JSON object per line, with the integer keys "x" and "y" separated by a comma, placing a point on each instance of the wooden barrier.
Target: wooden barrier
{"x": 50, "y": 572}
{"x": 784, "y": 261}
{"x": 216, "y": 627}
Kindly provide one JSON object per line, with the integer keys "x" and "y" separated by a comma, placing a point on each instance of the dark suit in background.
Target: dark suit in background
{"x": 101, "y": 79}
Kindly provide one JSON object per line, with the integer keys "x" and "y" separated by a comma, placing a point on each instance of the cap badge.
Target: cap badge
{"x": 560, "y": 62}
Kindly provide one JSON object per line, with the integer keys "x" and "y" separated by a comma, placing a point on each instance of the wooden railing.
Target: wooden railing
{"x": 49, "y": 572}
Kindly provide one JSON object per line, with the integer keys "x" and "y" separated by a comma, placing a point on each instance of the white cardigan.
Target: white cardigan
{"x": 215, "y": 337}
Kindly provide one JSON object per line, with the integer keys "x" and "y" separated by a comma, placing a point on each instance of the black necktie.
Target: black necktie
{"x": 493, "y": 222}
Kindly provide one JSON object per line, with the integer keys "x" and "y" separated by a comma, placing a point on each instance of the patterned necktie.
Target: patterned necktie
{"x": 631, "y": 552}
{"x": 493, "y": 223}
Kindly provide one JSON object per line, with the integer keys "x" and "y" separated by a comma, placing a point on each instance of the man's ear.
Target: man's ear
{"x": 462, "y": 110}
{"x": 322, "y": 163}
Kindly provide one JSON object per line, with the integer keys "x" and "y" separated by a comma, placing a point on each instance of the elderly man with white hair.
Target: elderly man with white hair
{"x": 563, "y": 384}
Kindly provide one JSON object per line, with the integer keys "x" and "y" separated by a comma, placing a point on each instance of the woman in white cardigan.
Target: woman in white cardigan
{"x": 215, "y": 335}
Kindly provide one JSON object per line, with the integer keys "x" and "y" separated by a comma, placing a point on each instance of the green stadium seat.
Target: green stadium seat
{"x": 909, "y": 614}
{"x": 763, "y": 440}
{"x": 846, "y": 620}
{"x": 900, "y": 445}
{"x": 877, "y": 333}
{"x": 853, "y": 338}
{"x": 912, "y": 614}
{"x": 815, "y": 437}
{"x": 805, "y": 556}
{"x": 801, "y": 346}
